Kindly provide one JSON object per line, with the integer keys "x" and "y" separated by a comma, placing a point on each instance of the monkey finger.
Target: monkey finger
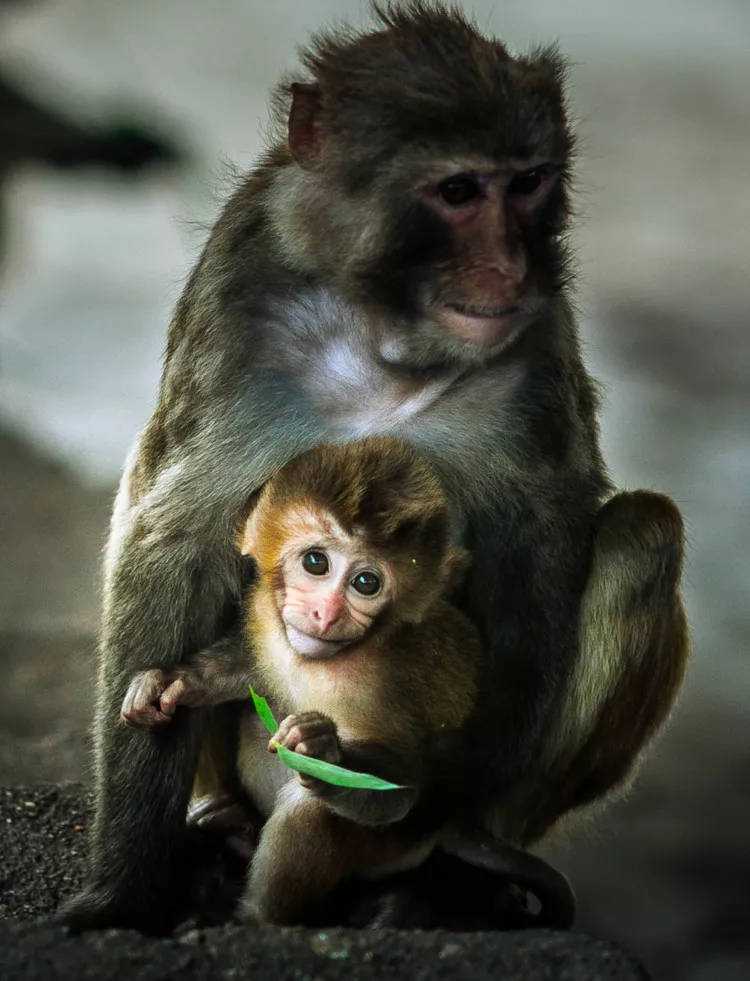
{"x": 299, "y": 732}
{"x": 315, "y": 720}
{"x": 181, "y": 692}
{"x": 291, "y": 738}
{"x": 320, "y": 748}
{"x": 138, "y": 708}
{"x": 283, "y": 730}
{"x": 319, "y": 726}
{"x": 144, "y": 717}
{"x": 138, "y": 692}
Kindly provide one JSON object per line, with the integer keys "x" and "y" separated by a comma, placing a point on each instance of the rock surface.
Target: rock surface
{"x": 32, "y": 952}
{"x": 42, "y": 834}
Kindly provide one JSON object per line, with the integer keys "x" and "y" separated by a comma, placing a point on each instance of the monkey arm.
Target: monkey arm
{"x": 632, "y": 656}
{"x": 217, "y": 674}
{"x": 143, "y": 781}
{"x": 224, "y": 670}
{"x": 315, "y": 735}
{"x": 373, "y": 807}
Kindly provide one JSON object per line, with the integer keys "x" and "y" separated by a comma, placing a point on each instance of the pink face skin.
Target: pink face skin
{"x": 492, "y": 295}
{"x": 332, "y": 593}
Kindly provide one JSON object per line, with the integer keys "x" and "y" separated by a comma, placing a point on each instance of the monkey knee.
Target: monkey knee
{"x": 268, "y": 902}
{"x": 642, "y": 513}
{"x": 640, "y": 539}
{"x": 276, "y": 892}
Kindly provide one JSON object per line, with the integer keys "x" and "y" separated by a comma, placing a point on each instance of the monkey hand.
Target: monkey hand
{"x": 154, "y": 695}
{"x": 310, "y": 734}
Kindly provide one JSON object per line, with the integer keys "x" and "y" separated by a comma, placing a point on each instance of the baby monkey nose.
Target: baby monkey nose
{"x": 327, "y": 612}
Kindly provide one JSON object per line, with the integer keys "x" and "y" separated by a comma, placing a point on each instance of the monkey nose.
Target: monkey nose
{"x": 499, "y": 284}
{"x": 326, "y": 614}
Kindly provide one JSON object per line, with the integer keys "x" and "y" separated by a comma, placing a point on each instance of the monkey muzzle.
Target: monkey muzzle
{"x": 485, "y": 328}
{"x": 313, "y": 647}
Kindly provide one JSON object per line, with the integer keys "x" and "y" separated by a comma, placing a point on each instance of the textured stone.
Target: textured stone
{"x": 42, "y": 833}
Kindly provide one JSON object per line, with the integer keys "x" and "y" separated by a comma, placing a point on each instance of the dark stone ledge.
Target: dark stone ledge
{"x": 42, "y": 834}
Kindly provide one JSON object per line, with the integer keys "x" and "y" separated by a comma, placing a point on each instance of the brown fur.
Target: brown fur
{"x": 407, "y": 684}
{"x": 320, "y": 311}
{"x": 634, "y": 634}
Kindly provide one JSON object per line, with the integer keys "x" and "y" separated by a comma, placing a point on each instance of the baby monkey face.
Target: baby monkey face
{"x": 333, "y": 589}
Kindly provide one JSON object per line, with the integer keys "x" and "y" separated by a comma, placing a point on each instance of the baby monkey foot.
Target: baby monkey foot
{"x": 223, "y": 814}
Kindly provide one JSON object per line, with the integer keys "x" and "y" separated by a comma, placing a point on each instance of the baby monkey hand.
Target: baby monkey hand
{"x": 310, "y": 734}
{"x": 154, "y": 695}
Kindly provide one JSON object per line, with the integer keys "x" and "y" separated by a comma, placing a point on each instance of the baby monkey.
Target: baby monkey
{"x": 348, "y": 634}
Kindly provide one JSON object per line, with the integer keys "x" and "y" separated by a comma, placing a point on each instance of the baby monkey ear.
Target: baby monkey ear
{"x": 249, "y": 532}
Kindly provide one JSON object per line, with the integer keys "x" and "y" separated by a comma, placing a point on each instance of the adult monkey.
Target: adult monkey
{"x": 395, "y": 266}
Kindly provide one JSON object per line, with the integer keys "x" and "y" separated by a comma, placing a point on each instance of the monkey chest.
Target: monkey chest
{"x": 355, "y": 396}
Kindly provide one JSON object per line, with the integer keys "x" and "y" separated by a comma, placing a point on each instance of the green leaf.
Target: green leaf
{"x": 264, "y": 712}
{"x": 339, "y": 776}
{"x": 328, "y": 772}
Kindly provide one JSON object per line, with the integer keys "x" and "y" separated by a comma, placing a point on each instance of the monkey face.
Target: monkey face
{"x": 332, "y": 593}
{"x": 436, "y": 183}
{"x": 488, "y": 288}
{"x": 456, "y": 254}
{"x": 476, "y": 262}
{"x": 347, "y": 537}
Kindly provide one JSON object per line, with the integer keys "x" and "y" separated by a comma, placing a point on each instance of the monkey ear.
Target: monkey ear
{"x": 248, "y": 535}
{"x": 304, "y": 132}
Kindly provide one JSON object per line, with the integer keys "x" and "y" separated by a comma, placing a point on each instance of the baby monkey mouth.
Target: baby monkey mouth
{"x": 313, "y": 647}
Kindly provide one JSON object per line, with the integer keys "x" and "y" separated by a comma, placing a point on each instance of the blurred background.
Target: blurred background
{"x": 120, "y": 125}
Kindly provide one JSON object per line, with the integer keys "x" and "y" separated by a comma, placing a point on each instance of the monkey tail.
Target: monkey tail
{"x": 530, "y": 872}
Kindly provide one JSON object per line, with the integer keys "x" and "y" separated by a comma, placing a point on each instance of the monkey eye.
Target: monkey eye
{"x": 366, "y": 583}
{"x": 459, "y": 190}
{"x": 316, "y": 563}
{"x": 526, "y": 182}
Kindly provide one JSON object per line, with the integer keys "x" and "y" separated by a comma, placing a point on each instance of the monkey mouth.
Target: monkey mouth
{"x": 484, "y": 326}
{"x": 313, "y": 647}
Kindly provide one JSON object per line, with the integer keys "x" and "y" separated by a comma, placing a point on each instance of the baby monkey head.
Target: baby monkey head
{"x": 349, "y": 539}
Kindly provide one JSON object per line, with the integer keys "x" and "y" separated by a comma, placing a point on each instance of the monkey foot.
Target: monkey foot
{"x": 225, "y": 815}
{"x": 97, "y": 908}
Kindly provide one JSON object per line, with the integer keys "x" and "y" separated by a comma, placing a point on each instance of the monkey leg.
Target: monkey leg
{"x": 471, "y": 881}
{"x": 632, "y": 657}
{"x": 139, "y": 829}
{"x": 529, "y": 873}
{"x": 306, "y": 851}
{"x": 155, "y": 610}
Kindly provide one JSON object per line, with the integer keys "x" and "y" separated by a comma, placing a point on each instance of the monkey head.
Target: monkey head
{"x": 434, "y": 167}
{"x": 352, "y": 538}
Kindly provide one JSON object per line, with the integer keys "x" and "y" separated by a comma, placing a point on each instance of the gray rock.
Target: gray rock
{"x": 42, "y": 833}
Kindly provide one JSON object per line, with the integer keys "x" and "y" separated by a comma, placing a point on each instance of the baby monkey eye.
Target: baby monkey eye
{"x": 459, "y": 190}
{"x": 366, "y": 583}
{"x": 526, "y": 182}
{"x": 316, "y": 563}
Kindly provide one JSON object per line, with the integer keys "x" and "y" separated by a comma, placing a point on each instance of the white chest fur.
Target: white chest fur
{"x": 359, "y": 396}
{"x": 355, "y": 387}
